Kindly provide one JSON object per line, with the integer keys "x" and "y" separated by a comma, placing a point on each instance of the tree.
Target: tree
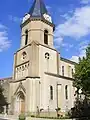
{"x": 82, "y": 74}
{"x": 81, "y": 110}
{"x": 3, "y": 101}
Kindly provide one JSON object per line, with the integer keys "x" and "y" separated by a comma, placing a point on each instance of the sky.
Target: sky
{"x": 71, "y": 36}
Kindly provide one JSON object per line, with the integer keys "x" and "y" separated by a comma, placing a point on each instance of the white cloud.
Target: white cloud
{"x": 85, "y": 1}
{"x": 4, "y": 41}
{"x": 14, "y": 19}
{"x": 67, "y": 45}
{"x": 76, "y": 26}
{"x": 82, "y": 51}
{"x": 65, "y": 16}
{"x": 74, "y": 58}
{"x": 58, "y": 42}
{"x": 48, "y": 7}
{"x": 2, "y": 26}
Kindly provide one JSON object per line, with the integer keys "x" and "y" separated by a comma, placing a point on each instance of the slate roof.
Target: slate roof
{"x": 68, "y": 61}
{"x": 38, "y": 9}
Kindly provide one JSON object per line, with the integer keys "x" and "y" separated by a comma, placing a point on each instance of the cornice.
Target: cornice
{"x": 23, "y": 79}
{"x": 59, "y": 76}
{"x": 22, "y": 64}
{"x": 37, "y": 43}
{"x": 67, "y": 60}
{"x": 37, "y": 19}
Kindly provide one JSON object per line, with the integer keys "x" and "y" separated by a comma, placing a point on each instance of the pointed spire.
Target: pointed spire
{"x": 38, "y": 9}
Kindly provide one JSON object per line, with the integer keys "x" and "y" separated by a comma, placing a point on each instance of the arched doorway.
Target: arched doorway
{"x": 20, "y": 102}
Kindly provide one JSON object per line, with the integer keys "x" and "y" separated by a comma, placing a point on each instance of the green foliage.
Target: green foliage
{"x": 82, "y": 74}
{"x": 81, "y": 110}
{"x": 51, "y": 117}
{"x": 2, "y": 100}
{"x": 22, "y": 117}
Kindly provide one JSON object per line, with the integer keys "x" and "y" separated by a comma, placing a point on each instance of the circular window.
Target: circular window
{"x": 47, "y": 55}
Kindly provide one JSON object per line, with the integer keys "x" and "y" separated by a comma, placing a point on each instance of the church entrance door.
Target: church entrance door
{"x": 22, "y": 109}
{"x": 21, "y": 102}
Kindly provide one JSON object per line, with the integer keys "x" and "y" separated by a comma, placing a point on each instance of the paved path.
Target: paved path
{"x": 3, "y": 119}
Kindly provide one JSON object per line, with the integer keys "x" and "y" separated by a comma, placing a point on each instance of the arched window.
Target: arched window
{"x": 17, "y": 69}
{"x": 46, "y": 37}
{"x": 62, "y": 70}
{"x": 51, "y": 92}
{"x": 26, "y": 37}
{"x": 66, "y": 92}
{"x": 72, "y": 72}
{"x": 23, "y": 68}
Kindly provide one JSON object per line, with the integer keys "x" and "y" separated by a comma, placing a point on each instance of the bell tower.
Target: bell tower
{"x": 37, "y": 25}
{"x": 35, "y": 58}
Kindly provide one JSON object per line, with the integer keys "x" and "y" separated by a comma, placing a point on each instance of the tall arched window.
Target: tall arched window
{"x": 72, "y": 73}
{"x": 46, "y": 37}
{"x": 62, "y": 70}
{"x": 26, "y": 37}
{"x": 66, "y": 92}
{"x": 51, "y": 92}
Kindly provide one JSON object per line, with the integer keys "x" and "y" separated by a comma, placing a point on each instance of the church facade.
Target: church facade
{"x": 42, "y": 80}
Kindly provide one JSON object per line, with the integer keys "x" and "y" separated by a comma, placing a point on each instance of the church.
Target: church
{"x": 42, "y": 81}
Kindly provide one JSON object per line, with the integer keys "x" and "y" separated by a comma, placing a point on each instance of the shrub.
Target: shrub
{"x": 22, "y": 117}
{"x": 81, "y": 110}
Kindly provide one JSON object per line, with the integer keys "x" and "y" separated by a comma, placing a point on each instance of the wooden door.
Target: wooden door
{"x": 22, "y": 106}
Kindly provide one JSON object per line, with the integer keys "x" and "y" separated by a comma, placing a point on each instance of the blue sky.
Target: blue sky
{"x": 71, "y": 37}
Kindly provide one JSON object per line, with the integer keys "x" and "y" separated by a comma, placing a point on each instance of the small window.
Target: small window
{"x": 24, "y": 55}
{"x": 25, "y": 66}
{"x": 69, "y": 71}
{"x": 66, "y": 92}
{"x": 62, "y": 70}
{"x": 51, "y": 92}
{"x": 26, "y": 37}
{"x": 72, "y": 72}
{"x": 17, "y": 69}
{"x": 22, "y": 68}
{"x": 46, "y": 37}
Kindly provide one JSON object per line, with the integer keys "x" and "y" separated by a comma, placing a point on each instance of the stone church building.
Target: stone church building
{"x": 42, "y": 80}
